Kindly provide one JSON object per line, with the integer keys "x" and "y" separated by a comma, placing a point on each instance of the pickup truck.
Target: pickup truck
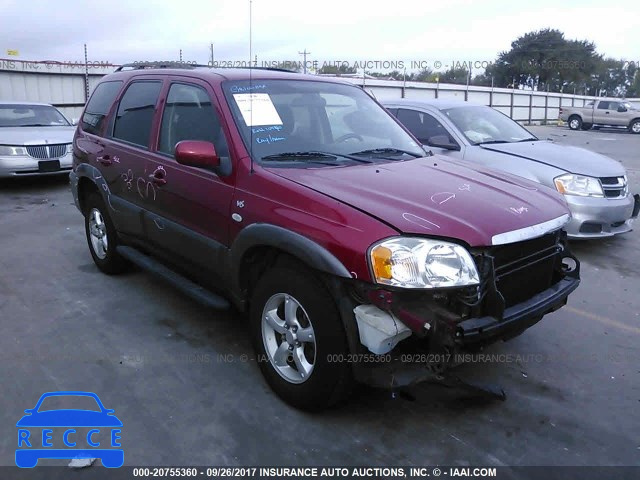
{"x": 616, "y": 113}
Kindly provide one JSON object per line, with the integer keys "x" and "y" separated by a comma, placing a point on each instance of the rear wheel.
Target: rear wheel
{"x": 635, "y": 126}
{"x": 102, "y": 237}
{"x": 575, "y": 123}
{"x": 299, "y": 339}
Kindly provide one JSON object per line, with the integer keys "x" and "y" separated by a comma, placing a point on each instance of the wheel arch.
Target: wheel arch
{"x": 260, "y": 245}
{"x": 637, "y": 119}
{"x": 89, "y": 180}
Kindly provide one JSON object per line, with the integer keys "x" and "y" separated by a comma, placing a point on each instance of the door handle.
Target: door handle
{"x": 158, "y": 180}
{"x": 606, "y": 113}
{"x": 104, "y": 160}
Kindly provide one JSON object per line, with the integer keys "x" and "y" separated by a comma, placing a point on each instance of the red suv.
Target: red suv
{"x": 303, "y": 202}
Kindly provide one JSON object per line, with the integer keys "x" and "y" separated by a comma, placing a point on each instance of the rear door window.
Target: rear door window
{"x": 98, "y": 107}
{"x": 135, "y": 112}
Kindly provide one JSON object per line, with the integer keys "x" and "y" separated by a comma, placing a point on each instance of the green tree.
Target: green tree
{"x": 634, "y": 89}
{"x": 337, "y": 70}
{"x": 482, "y": 80}
{"x": 544, "y": 60}
{"x": 613, "y": 78}
{"x": 424, "y": 75}
{"x": 457, "y": 75}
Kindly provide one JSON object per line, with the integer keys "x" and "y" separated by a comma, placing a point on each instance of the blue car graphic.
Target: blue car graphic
{"x": 70, "y": 418}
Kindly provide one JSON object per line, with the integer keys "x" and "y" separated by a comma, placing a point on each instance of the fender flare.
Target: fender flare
{"x": 299, "y": 246}
{"x": 85, "y": 170}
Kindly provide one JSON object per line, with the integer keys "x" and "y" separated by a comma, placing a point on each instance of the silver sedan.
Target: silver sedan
{"x": 594, "y": 186}
{"x": 35, "y": 139}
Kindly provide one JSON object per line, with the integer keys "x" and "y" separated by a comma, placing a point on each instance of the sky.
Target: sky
{"x": 332, "y": 30}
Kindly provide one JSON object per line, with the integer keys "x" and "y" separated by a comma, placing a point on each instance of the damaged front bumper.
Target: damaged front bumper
{"x": 443, "y": 324}
{"x": 518, "y": 318}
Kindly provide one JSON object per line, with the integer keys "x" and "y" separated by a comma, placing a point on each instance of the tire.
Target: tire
{"x": 575, "y": 122}
{"x": 634, "y": 126}
{"x": 315, "y": 374}
{"x": 586, "y": 126}
{"x": 101, "y": 237}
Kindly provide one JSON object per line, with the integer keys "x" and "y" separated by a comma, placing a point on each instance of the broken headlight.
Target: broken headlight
{"x": 422, "y": 263}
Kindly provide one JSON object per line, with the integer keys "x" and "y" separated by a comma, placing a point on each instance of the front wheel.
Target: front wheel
{"x": 299, "y": 339}
{"x": 102, "y": 237}
{"x": 575, "y": 123}
{"x": 635, "y": 126}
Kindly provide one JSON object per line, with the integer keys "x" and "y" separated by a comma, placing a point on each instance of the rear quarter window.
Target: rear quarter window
{"x": 98, "y": 107}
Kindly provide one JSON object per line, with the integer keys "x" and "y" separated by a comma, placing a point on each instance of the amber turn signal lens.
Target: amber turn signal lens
{"x": 381, "y": 261}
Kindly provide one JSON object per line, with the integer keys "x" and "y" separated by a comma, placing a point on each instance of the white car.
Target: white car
{"x": 35, "y": 139}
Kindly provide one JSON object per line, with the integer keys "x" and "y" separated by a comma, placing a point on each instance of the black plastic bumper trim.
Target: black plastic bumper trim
{"x": 520, "y": 316}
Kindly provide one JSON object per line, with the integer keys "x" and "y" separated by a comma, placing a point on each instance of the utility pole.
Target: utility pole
{"x": 211, "y": 55}
{"x": 86, "y": 75}
{"x": 304, "y": 54}
{"x": 180, "y": 55}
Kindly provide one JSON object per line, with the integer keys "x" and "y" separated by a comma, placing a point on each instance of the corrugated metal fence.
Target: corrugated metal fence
{"x": 526, "y": 106}
{"x": 65, "y": 85}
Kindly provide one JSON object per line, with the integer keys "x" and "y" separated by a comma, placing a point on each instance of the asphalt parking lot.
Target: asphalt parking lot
{"x": 181, "y": 378}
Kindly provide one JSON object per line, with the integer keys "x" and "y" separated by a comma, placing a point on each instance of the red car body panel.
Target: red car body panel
{"x": 435, "y": 196}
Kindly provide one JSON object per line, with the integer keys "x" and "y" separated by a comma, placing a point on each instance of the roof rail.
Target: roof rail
{"x": 273, "y": 69}
{"x": 151, "y": 65}
{"x": 145, "y": 65}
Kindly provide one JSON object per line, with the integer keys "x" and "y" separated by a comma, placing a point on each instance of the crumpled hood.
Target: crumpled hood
{"x": 572, "y": 159}
{"x": 436, "y": 196}
{"x": 36, "y": 135}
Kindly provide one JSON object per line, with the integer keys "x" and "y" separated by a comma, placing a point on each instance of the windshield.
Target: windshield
{"x": 302, "y": 122}
{"x": 31, "y": 116}
{"x": 486, "y": 125}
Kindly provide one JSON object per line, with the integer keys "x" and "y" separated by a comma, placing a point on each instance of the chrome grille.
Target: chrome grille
{"x": 614, "y": 187}
{"x": 47, "y": 151}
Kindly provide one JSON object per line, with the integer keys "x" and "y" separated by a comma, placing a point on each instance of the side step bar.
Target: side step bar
{"x": 191, "y": 289}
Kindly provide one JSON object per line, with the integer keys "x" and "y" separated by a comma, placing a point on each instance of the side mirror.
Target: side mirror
{"x": 442, "y": 141}
{"x": 74, "y": 121}
{"x": 197, "y": 153}
{"x": 622, "y": 108}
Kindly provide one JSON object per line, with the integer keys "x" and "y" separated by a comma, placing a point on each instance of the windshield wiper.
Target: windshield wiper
{"x": 492, "y": 141}
{"x": 530, "y": 139}
{"x": 312, "y": 155}
{"x": 36, "y": 125}
{"x": 388, "y": 151}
